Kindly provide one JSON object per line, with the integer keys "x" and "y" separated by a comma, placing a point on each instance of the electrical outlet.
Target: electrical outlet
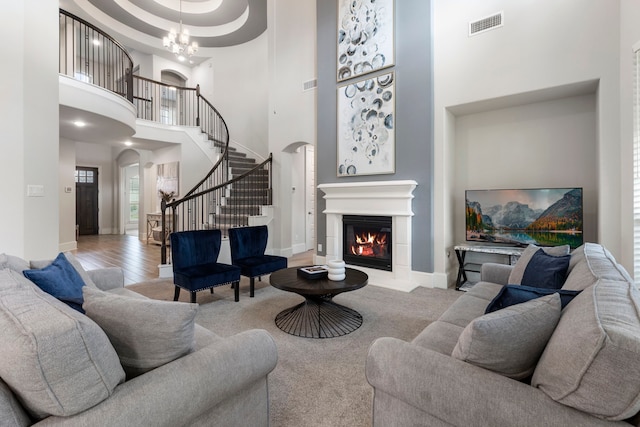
{"x": 319, "y": 247}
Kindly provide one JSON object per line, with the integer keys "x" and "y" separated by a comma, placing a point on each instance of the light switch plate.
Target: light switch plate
{"x": 35, "y": 190}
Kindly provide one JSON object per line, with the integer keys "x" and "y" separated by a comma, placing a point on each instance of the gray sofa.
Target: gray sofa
{"x": 588, "y": 373}
{"x": 219, "y": 381}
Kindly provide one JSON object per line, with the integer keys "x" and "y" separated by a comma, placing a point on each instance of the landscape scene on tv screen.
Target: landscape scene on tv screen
{"x": 542, "y": 216}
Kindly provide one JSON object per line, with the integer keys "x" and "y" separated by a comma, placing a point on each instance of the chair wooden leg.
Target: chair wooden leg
{"x": 252, "y": 282}
{"x": 211, "y": 290}
{"x": 193, "y": 297}
{"x": 236, "y": 290}
{"x": 176, "y": 293}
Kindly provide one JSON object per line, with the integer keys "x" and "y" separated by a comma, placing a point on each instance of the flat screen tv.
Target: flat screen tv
{"x": 540, "y": 216}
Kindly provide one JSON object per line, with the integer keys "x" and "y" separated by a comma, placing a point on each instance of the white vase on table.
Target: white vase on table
{"x": 336, "y": 270}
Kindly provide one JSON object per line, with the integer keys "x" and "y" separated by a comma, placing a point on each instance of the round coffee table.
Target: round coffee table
{"x": 318, "y": 316}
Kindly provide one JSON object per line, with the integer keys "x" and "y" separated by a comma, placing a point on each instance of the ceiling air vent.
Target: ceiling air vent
{"x": 311, "y": 84}
{"x": 485, "y": 24}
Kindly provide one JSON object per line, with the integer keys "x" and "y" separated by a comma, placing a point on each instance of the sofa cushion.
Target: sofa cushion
{"x": 510, "y": 341}
{"x": 589, "y": 263}
{"x": 164, "y": 330}
{"x": 60, "y": 280}
{"x": 592, "y": 360}
{"x": 55, "y": 360}
{"x": 515, "y": 294}
{"x": 515, "y": 278}
{"x": 546, "y": 271}
{"x": 11, "y": 412}
{"x": 13, "y": 262}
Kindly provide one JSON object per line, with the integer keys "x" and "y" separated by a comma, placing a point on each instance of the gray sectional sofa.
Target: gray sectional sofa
{"x": 57, "y": 367}
{"x": 588, "y": 373}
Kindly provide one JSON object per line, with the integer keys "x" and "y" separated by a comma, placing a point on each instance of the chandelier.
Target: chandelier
{"x": 179, "y": 43}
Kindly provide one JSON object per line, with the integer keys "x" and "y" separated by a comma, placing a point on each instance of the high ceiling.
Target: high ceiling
{"x": 141, "y": 24}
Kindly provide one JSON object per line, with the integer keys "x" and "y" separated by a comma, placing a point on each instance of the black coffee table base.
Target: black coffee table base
{"x": 318, "y": 317}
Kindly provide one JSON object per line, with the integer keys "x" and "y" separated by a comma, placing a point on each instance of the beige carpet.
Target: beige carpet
{"x": 318, "y": 382}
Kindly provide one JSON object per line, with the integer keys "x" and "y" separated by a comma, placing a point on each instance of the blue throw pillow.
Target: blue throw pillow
{"x": 546, "y": 271}
{"x": 516, "y": 294}
{"x": 60, "y": 280}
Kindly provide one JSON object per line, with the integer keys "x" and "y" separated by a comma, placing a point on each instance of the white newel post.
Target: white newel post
{"x": 381, "y": 198}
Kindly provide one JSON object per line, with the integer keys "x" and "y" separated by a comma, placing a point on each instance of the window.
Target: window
{"x": 134, "y": 198}
{"x": 84, "y": 176}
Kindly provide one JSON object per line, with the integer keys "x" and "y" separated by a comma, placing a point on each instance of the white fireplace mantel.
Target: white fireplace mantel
{"x": 383, "y": 198}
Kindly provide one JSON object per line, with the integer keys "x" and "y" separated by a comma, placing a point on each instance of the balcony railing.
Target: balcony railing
{"x": 88, "y": 54}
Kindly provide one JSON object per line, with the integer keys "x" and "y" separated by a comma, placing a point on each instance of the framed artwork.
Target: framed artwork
{"x": 366, "y": 130}
{"x": 365, "y": 36}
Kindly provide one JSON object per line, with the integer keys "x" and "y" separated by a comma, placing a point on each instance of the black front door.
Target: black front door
{"x": 87, "y": 200}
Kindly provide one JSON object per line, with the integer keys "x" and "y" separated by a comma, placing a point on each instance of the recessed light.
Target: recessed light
{"x": 96, "y": 42}
{"x": 181, "y": 58}
{"x": 79, "y": 123}
{"x": 128, "y": 143}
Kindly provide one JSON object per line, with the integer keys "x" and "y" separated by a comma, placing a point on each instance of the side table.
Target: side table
{"x": 511, "y": 253}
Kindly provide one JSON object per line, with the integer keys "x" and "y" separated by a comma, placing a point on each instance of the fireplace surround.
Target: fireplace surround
{"x": 379, "y": 198}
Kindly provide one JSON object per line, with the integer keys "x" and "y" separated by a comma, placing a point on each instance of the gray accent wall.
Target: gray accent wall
{"x": 413, "y": 117}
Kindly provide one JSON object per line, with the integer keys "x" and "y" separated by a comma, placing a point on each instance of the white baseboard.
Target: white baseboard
{"x": 68, "y": 246}
{"x": 298, "y": 248}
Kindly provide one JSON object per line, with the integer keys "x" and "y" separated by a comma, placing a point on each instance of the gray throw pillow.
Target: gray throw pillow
{"x": 56, "y": 360}
{"x": 510, "y": 341}
{"x": 515, "y": 278}
{"x": 145, "y": 333}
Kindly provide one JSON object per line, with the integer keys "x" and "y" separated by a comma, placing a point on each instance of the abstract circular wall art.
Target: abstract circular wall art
{"x": 365, "y": 36}
{"x": 366, "y": 131}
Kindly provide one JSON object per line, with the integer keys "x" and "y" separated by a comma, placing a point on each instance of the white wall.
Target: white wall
{"x": 67, "y": 167}
{"x": 292, "y": 111}
{"x": 29, "y": 227}
{"x": 234, "y": 80}
{"x": 544, "y": 45}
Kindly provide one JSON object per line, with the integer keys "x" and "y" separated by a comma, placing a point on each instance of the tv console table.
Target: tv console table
{"x": 510, "y": 253}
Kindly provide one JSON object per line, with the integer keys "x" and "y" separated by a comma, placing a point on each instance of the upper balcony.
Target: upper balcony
{"x": 96, "y": 84}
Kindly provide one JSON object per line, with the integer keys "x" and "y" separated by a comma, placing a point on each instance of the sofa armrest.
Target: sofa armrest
{"x": 107, "y": 278}
{"x": 495, "y": 273}
{"x": 180, "y": 391}
{"x": 460, "y": 393}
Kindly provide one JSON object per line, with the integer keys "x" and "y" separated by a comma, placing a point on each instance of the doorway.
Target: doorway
{"x": 86, "y": 179}
{"x": 310, "y": 197}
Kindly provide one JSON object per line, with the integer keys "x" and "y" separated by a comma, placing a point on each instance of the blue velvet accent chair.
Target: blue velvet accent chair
{"x": 195, "y": 263}
{"x": 247, "y": 252}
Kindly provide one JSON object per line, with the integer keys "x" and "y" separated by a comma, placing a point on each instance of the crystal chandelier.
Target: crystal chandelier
{"x": 179, "y": 43}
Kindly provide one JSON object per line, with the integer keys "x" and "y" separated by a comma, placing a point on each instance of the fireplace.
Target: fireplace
{"x": 367, "y": 241}
{"x": 380, "y": 198}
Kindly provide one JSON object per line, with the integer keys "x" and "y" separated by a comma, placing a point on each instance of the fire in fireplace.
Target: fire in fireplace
{"x": 367, "y": 241}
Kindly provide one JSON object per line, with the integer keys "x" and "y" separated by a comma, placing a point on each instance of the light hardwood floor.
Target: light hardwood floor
{"x": 138, "y": 260}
